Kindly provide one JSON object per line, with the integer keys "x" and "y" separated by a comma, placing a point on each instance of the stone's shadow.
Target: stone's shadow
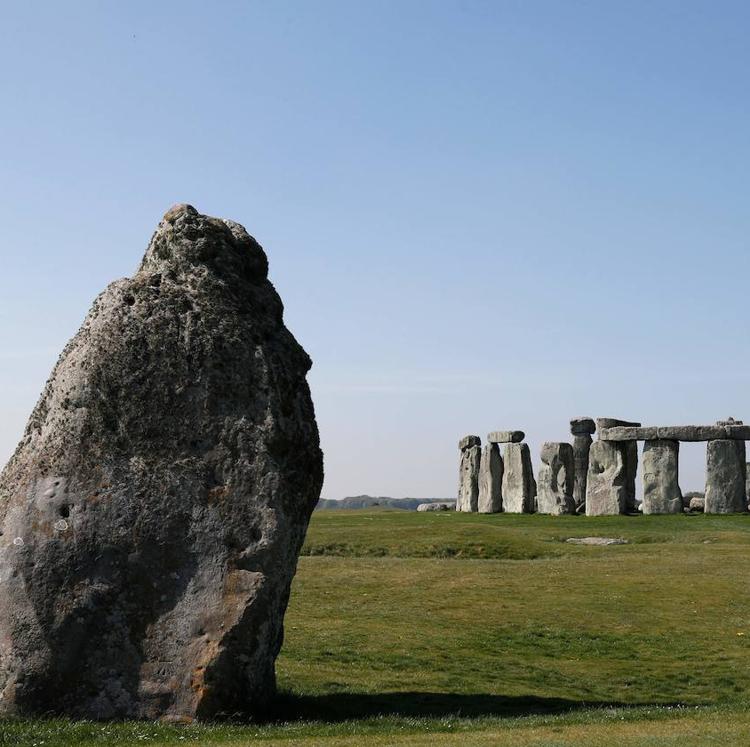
{"x": 346, "y": 706}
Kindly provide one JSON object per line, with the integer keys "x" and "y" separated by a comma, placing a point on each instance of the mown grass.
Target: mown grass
{"x": 417, "y": 629}
{"x": 402, "y": 534}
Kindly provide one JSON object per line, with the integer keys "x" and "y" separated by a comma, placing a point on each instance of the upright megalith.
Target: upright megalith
{"x": 606, "y": 493}
{"x": 629, "y": 451}
{"x": 519, "y": 487}
{"x": 154, "y": 510}
{"x": 661, "y": 488}
{"x": 725, "y": 477}
{"x": 581, "y": 429}
{"x": 468, "y": 473}
{"x": 555, "y": 482}
{"x": 490, "y": 500}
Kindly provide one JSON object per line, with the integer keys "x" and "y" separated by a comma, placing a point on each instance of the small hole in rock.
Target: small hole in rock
{"x": 129, "y": 300}
{"x": 65, "y": 511}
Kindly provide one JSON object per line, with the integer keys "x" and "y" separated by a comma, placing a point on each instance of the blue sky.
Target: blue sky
{"x": 480, "y": 215}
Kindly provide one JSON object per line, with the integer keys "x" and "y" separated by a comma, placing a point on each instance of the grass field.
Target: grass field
{"x": 444, "y": 628}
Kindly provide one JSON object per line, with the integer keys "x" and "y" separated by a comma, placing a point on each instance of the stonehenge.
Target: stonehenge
{"x": 556, "y": 479}
{"x": 468, "y": 480}
{"x": 581, "y": 429}
{"x": 605, "y": 482}
{"x": 490, "y": 499}
{"x": 519, "y": 486}
{"x": 598, "y": 478}
{"x": 725, "y": 477}
{"x": 661, "y": 490}
{"x": 491, "y": 482}
{"x": 629, "y": 449}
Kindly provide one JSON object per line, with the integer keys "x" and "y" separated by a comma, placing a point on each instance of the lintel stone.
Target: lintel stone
{"x": 615, "y": 423}
{"x": 505, "y": 437}
{"x": 676, "y": 433}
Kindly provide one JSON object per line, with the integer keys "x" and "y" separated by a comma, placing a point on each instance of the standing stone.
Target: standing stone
{"x": 629, "y": 451}
{"x": 490, "y": 480}
{"x": 154, "y": 510}
{"x": 661, "y": 489}
{"x": 725, "y": 477}
{"x": 581, "y": 429}
{"x": 605, "y": 483}
{"x": 468, "y": 474}
{"x": 519, "y": 487}
{"x": 555, "y": 483}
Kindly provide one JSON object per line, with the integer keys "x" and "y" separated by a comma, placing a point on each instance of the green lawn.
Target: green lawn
{"x": 408, "y": 629}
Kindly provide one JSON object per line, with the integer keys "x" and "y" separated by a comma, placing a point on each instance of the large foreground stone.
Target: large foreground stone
{"x": 153, "y": 512}
{"x": 725, "y": 477}
{"x": 661, "y": 489}
{"x": 490, "y": 499}
{"x": 468, "y": 474}
{"x": 555, "y": 482}
{"x": 606, "y": 493}
{"x": 519, "y": 487}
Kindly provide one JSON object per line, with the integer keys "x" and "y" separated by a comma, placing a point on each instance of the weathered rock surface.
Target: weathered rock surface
{"x": 606, "y": 493}
{"x": 582, "y": 426}
{"x": 661, "y": 489}
{"x": 490, "y": 499}
{"x": 468, "y": 477}
{"x": 153, "y": 512}
{"x": 442, "y": 506}
{"x": 555, "y": 480}
{"x": 519, "y": 487}
{"x": 468, "y": 441}
{"x": 725, "y": 477}
{"x": 504, "y": 437}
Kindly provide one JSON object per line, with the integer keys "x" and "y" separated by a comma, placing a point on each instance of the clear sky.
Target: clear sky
{"x": 480, "y": 215}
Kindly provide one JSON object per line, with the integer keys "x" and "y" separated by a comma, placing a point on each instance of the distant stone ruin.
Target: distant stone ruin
{"x": 598, "y": 477}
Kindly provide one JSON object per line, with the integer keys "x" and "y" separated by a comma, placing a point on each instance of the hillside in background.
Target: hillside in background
{"x": 371, "y": 501}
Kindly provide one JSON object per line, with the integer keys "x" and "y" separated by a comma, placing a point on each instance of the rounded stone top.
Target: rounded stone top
{"x": 468, "y": 441}
{"x": 186, "y": 242}
{"x": 582, "y": 426}
{"x": 181, "y": 207}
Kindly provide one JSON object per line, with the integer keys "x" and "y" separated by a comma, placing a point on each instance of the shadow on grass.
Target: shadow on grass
{"x": 346, "y": 706}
